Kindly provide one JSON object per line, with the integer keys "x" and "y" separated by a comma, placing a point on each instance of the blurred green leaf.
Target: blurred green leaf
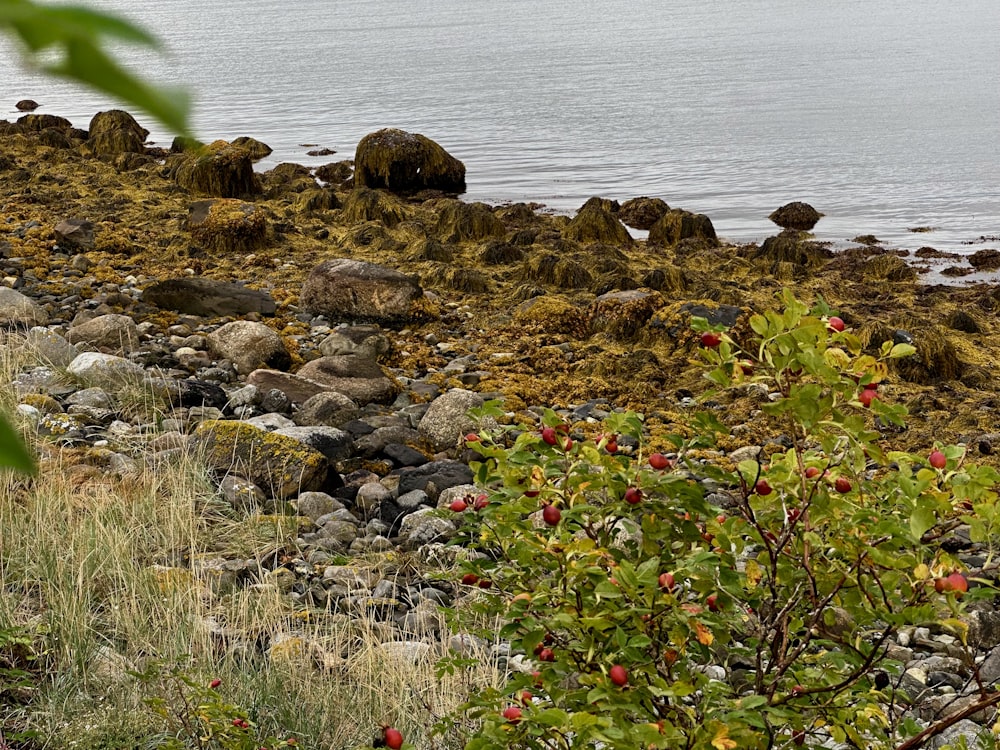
{"x": 13, "y": 453}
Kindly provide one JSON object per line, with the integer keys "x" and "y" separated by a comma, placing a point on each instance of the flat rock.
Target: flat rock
{"x": 360, "y": 379}
{"x": 114, "y": 332}
{"x": 105, "y": 370}
{"x": 296, "y": 387}
{"x": 345, "y": 289}
{"x": 327, "y": 408}
{"x": 335, "y": 444}
{"x": 208, "y": 297}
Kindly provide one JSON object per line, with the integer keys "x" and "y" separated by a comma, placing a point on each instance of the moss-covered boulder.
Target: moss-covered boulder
{"x": 676, "y": 225}
{"x": 115, "y": 132}
{"x": 499, "y": 253}
{"x": 337, "y": 172}
{"x": 280, "y": 465}
{"x": 227, "y": 225}
{"x": 622, "y": 315}
{"x": 406, "y": 163}
{"x": 888, "y": 267}
{"x": 552, "y": 314}
{"x": 220, "y": 169}
{"x": 467, "y": 222}
{"x": 796, "y": 215}
{"x": 549, "y": 268}
{"x": 791, "y": 247}
{"x": 642, "y": 213}
{"x": 594, "y": 224}
{"x": 255, "y": 148}
{"x": 373, "y": 205}
{"x": 38, "y": 123}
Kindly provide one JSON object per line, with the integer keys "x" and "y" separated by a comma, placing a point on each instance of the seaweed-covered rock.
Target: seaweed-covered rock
{"x": 642, "y": 213}
{"x": 249, "y": 345}
{"x": 337, "y": 172}
{"x": 666, "y": 279}
{"x": 27, "y": 105}
{"x": 467, "y": 222}
{"x": 280, "y": 464}
{"x": 499, "y": 253}
{"x": 676, "y": 225}
{"x": 888, "y": 268}
{"x": 116, "y": 132}
{"x": 345, "y": 289}
{"x": 621, "y": 315}
{"x": 549, "y": 268}
{"x": 255, "y": 148}
{"x": 985, "y": 260}
{"x": 552, "y": 314}
{"x": 594, "y": 224}
{"x": 317, "y": 199}
{"x": 208, "y": 297}
{"x": 796, "y": 215}
{"x": 466, "y": 280}
{"x": 373, "y": 205}
{"x": 790, "y": 247}
{"x": 38, "y": 123}
{"x": 430, "y": 249}
{"x": 220, "y": 169}
{"x": 227, "y": 225}
{"x": 406, "y": 163}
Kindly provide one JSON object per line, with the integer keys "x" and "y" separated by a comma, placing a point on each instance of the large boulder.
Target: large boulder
{"x": 676, "y": 225}
{"x": 116, "y": 132}
{"x": 345, "y": 289}
{"x": 227, "y": 225}
{"x": 594, "y": 224}
{"x": 281, "y": 465}
{"x": 250, "y": 346}
{"x": 467, "y": 222}
{"x": 114, "y": 332}
{"x": 642, "y": 213}
{"x": 75, "y": 234}
{"x": 406, "y": 163}
{"x": 219, "y": 169}
{"x": 447, "y": 418}
{"x": 796, "y": 215}
{"x": 208, "y": 297}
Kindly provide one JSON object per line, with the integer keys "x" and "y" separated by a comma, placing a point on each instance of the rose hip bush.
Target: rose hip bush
{"x": 647, "y": 617}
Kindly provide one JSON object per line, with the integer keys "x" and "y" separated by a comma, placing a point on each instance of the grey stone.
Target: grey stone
{"x": 370, "y": 496}
{"x": 105, "y": 370}
{"x": 335, "y": 444}
{"x": 984, "y": 628}
{"x": 19, "y": 311}
{"x": 75, "y": 233}
{"x": 447, "y": 419}
{"x": 410, "y": 652}
{"x": 327, "y": 408}
{"x": 297, "y": 388}
{"x": 365, "y": 341}
{"x": 271, "y": 422}
{"x": 425, "y": 526}
{"x": 208, "y": 297}
{"x": 966, "y": 729}
{"x": 440, "y": 474}
{"x": 375, "y": 442}
{"x": 242, "y": 494}
{"x": 314, "y": 505}
{"x": 411, "y": 500}
{"x": 250, "y": 346}
{"x": 116, "y": 332}
{"x": 48, "y": 346}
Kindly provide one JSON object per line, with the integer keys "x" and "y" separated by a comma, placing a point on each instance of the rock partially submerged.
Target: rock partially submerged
{"x": 406, "y": 163}
{"x": 796, "y": 215}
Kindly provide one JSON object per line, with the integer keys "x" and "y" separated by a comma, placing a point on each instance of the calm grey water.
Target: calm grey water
{"x": 884, "y": 115}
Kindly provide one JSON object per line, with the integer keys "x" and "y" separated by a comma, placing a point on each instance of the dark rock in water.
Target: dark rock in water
{"x": 442, "y": 474}
{"x": 27, "y": 105}
{"x": 181, "y": 143}
{"x": 345, "y": 289}
{"x": 208, "y": 297}
{"x": 642, "y": 213}
{"x": 796, "y": 215}
{"x": 336, "y": 172}
{"x": 605, "y": 204}
{"x": 676, "y": 225}
{"x": 75, "y": 233}
{"x": 985, "y": 260}
{"x": 406, "y": 163}
{"x": 219, "y": 169}
{"x": 115, "y": 132}
{"x": 595, "y": 224}
{"x": 256, "y": 149}
{"x": 227, "y": 225}
{"x": 467, "y": 222}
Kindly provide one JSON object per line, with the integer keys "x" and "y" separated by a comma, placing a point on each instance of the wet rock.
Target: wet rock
{"x": 336, "y": 172}
{"x": 985, "y": 260}
{"x": 676, "y": 225}
{"x": 594, "y": 224}
{"x": 791, "y": 247}
{"x": 796, "y": 215}
{"x": 208, "y": 297}
{"x": 225, "y": 226}
{"x": 115, "y": 132}
{"x": 219, "y": 169}
{"x": 621, "y": 315}
{"x": 642, "y": 213}
{"x": 115, "y": 332}
{"x": 468, "y": 222}
{"x": 363, "y": 205}
{"x": 447, "y": 419}
{"x": 360, "y": 379}
{"x": 75, "y": 234}
{"x": 345, "y": 289}
{"x": 255, "y": 148}
{"x": 406, "y": 162}
{"x": 190, "y": 392}
{"x": 249, "y": 346}
{"x": 27, "y": 105}
{"x": 403, "y": 455}
{"x": 282, "y": 466}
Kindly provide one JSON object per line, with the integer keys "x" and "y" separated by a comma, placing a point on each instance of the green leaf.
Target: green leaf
{"x": 921, "y": 520}
{"x": 13, "y": 453}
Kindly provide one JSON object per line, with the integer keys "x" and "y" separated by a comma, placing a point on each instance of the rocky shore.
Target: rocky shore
{"x": 317, "y": 338}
